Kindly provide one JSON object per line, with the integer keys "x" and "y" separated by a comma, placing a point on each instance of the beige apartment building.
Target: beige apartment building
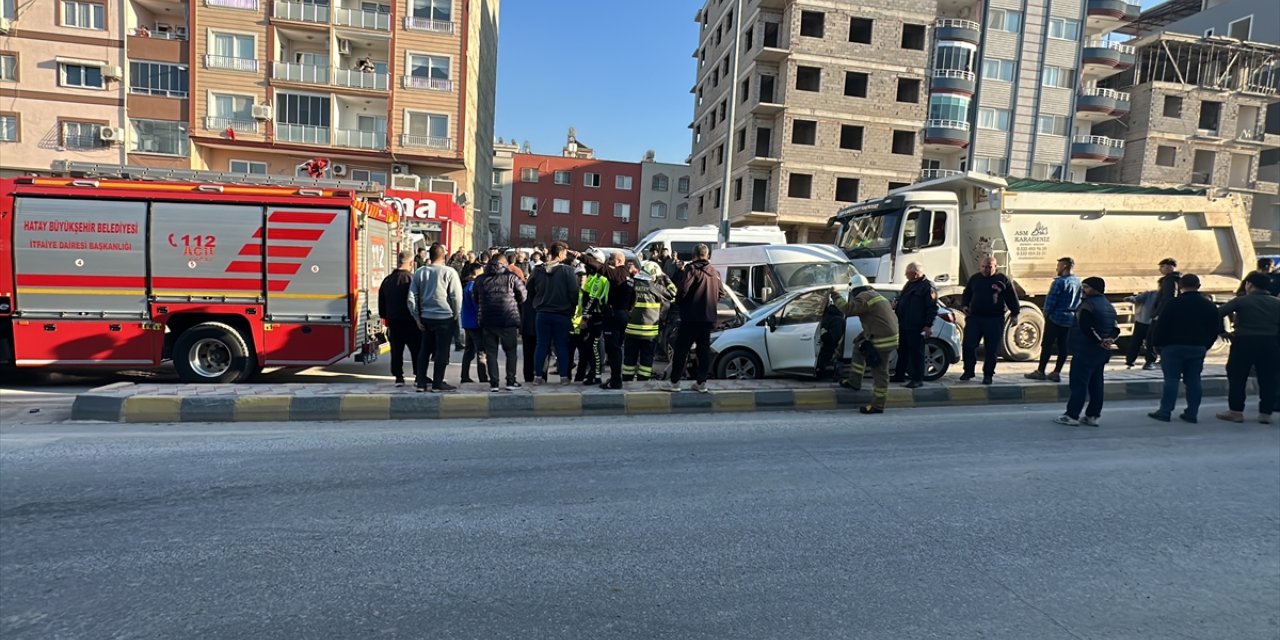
{"x": 831, "y": 96}
{"x": 399, "y": 92}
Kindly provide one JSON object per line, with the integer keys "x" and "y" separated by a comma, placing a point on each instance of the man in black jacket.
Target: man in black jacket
{"x": 917, "y": 308}
{"x": 698, "y": 292}
{"x": 986, "y": 297}
{"x": 622, "y": 296}
{"x": 498, "y": 295}
{"x": 554, "y": 289}
{"x": 393, "y": 308}
{"x": 1191, "y": 325}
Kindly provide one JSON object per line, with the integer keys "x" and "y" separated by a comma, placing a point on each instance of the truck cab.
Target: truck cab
{"x": 881, "y": 237}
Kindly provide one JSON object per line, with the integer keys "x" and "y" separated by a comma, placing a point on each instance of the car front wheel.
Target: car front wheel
{"x": 739, "y": 364}
{"x": 936, "y": 360}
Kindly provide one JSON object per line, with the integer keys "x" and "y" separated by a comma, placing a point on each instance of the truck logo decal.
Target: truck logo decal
{"x": 282, "y": 259}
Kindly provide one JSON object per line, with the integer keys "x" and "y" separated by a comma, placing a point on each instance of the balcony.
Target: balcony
{"x": 414, "y": 23}
{"x": 1102, "y": 59}
{"x": 242, "y": 125}
{"x": 946, "y": 135}
{"x": 353, "y": 79}
{"x": 356, "y": 139}
{"x": 1094, "y": 151}
{"x": 1096, "y": 105}
{"x": 1257, "y": 136}
{"x": 934, "y": 174}
{"x": 230, "y": 64}
{"x": 304, "y": 133}
{"x": 951, "y": 29}
{"x": 143, "y": 32}
{"x": 953, "y": 81}
{"x": 773, "y": 4}
{"x": 429, "y": 84}
{"x": 299, "y": 12}
{"x": 244, "y": 5}
{"x": 772, "y": 54}
{"x": 425, "y": 142}
{"x": 361, "y": 19}
{"x": 1109, "y": 15}
{"x": 304, "y": 73}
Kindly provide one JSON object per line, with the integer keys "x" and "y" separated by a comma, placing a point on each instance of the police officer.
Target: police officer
{"x": 873, "y": 346}
{"x": 917, "y": 307}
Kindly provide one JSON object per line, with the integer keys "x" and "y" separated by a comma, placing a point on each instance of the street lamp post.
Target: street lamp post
{"x": 725, "y": 193}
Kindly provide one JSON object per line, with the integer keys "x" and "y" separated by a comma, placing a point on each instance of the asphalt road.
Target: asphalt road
{"x": 974, "y": 523}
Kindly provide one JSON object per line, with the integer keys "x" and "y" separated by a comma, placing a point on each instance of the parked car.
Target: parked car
{"x": 682, "y": 241}
{"x": 780, "y": 338}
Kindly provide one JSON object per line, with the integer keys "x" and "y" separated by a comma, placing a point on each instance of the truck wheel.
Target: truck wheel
{"x": 1022, "y": 340}
{"x": 212, "y": 352}
{"x": 739, "y": 364}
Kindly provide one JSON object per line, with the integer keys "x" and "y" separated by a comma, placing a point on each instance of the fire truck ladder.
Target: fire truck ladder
{"x": 132, "y": 172}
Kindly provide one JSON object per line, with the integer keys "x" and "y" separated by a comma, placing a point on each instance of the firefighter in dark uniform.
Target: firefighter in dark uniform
{"x": 874, "y": 346}
{"x": 917, "y": 307}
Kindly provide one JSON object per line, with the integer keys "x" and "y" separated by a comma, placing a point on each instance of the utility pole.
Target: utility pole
{"x": 726, "y": 183}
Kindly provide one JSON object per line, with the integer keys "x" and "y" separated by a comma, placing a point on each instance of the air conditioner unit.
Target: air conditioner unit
{"x": 113, "y": 73}
{"x": 111, "y": 134}
{"x": 161, "y": 27}
{"x": 399, "y": 169}
{"x": 261, "y": 112}
{"x": 626, "y": 218}
{"x": 5, "y": 25}
{"x": 405, "y": 182}
{"x": 344, "y": 46}
{"x": 338, "y": 169}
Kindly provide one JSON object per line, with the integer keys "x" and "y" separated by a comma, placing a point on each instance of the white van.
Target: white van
{"x": 682, "y": 241}
{"x": 760, "y": 274}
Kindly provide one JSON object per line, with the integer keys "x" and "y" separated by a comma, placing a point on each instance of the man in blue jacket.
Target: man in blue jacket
{"x": 1059, "y": 314}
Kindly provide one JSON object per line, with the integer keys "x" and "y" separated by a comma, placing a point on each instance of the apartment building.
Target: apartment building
{"x": 664, "y": 195}
{"x": 830, "y": 98}
{"x": 504, "y": 152}
{"x": 399, "y": 92}
{"x": 1015, "y": 87}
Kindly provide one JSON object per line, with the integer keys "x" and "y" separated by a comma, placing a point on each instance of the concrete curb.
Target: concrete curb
{"x": 116, "y": 405}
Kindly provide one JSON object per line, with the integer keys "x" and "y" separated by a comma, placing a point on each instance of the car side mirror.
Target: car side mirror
{"x": 772, "y": 322}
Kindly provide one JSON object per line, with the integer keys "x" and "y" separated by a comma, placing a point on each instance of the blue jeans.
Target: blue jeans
{"x": 1087, "y": 366}
{"x": 552, "y": 328}
{"x": 1181, "y": 362}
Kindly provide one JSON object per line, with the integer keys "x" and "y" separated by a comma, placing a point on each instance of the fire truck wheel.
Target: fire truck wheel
{"x": 211, "y": 352}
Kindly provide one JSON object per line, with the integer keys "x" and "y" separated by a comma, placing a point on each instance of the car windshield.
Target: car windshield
{"x": 870, "y": 236}
{"x": 807, "y": 274}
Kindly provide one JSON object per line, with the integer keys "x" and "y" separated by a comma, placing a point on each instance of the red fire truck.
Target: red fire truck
{"x": 122, "y": 267}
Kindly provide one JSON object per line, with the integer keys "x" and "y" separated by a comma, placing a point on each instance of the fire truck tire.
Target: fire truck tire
{"x": 212, "y": 352}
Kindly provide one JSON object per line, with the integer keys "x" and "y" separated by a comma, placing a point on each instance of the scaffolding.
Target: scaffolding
{"x": 1217, "y": 63}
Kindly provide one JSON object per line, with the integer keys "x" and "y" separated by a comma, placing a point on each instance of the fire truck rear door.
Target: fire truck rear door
{"x": 308, "y": 258}
{"x": 202, "y": 250}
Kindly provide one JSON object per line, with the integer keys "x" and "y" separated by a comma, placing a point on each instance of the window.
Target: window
{"x": 993, "y": 166}
{"x": 949, "y": 107}
{"x": 682, "y": 184}
{"x": 800, "y": 186}
{"x": 1241, "y": 29}
{"x": 703, "y": 168}
{"x": 231, "y": 47}
{"x": 590, "y": 208}
{"x": 808, "y": 79}
{"x": 563, "y": 177}
{"x": 1173, "y": 106}
{"x": 1208, "y": 33}
{"x": 495, "y": 204}
{"x": 846, "y": 189}
{"x": 737, "y": 189}
{"x": 231, "y": 109}
{"x": 620, "y": 238}
{"x": 1166, "y": 156}
{"x": 1052, "y": 125}
{"x": 85, "y": 15}
{"x": 908, "y": 90}
{"x": 247, "y": 166}
{"x": 622, "y": 183}
{"x": 1064, "y": 29}
{"x": 497, "y": 176}
{"x": 658, "y": 210}
{"x": 365, "y": 175}
{"x": 438, "y": 10}
{"x": 851, "y": 137}
{"x": 682, "y": 211}
{"x": 622, "y": 210}
{"x": 746, "y": 90}
{"x": 1056, "y": 77}
{"x": 719, "y": 155}
{"x": 158, "y": 79}
{"x": 904, "y": 142}
{"x": 428, "y": 72}
{"x": 560, "y": 233}
{"x": 8, "y": 127}
{"x": 81, "y": 135}
{"x": 804, "y": 132}
{"x": 589, "y": 236}
{"x": 804, "y": 309}
{"x": 1210, "y": 116}
{"x": 434, "y": 129}
{"x": 996, "y": 69}
{"x": 741, "y": 139}
{"x": 717, "y": 198}
{"x": 855, "y": 84}
{"x": 81, "y": 76}
{"x": 989, "y": 118}
{"x": 591, "y": 180}
{"x": 9, "y": 9}
{"x": 528, "y": 203}
{"x": 812, "y": 23}
{"x": 924, "y": 229}
{"x": 660, "y": 182}
{"x": 860, "y": 30}
{"x": 897, "y": 185}
{"x": 529, "y": 174}
{"x": 913, "y": 36}
{"x": 159, "y": 136}
{"x": 1044, "y": 171}
{"x": 528, "y": 232}
{"x": 560, "y": 205}
{"x": 8, "y": 67}
{"x": 700, "y": 205}
{"x": 1004, "y": 20}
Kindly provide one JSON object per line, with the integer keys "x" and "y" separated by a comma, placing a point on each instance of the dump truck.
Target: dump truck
{"x": 122, "y": 267}
{"x": 1118, "y": 232}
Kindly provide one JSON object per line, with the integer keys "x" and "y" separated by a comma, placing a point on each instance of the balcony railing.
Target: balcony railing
{"x": 301, "y": 12}
{"x": 357, "y": 139}
{"x": 362, "y": 19}
{"x": 305, "y": 133}
{"x": 231, "y": 64}
{"x": 932, "y": 174}
{"x": 1105, "y": 93}
{"x": 308, "y": 73}
{"x": 83, "y": 141}
{"x": 427, "y": 24}
{"x": 432, "y": 84}
{"x": 954, "y": 23}
{"x": 947, "y": 124}
{"x": 360, "y": 79}
{"x": 426, "y": 142}
{"x": 1103, "y": 141}
{"x": 161, "y": 93}
{"x": 954, "y": 73}
{"x": 143, "y": 32}
{"x": 247, "y": 5}
{"x": 1107, "y": 44}
{"x": 243, "y": 125}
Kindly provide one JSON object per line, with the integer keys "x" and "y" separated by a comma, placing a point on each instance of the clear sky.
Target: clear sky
{"x": 619, "y": 72}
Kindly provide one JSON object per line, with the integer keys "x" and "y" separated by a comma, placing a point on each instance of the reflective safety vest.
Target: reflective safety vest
{"x": 652, "y": 301}
{"x": 595, "y": 290}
